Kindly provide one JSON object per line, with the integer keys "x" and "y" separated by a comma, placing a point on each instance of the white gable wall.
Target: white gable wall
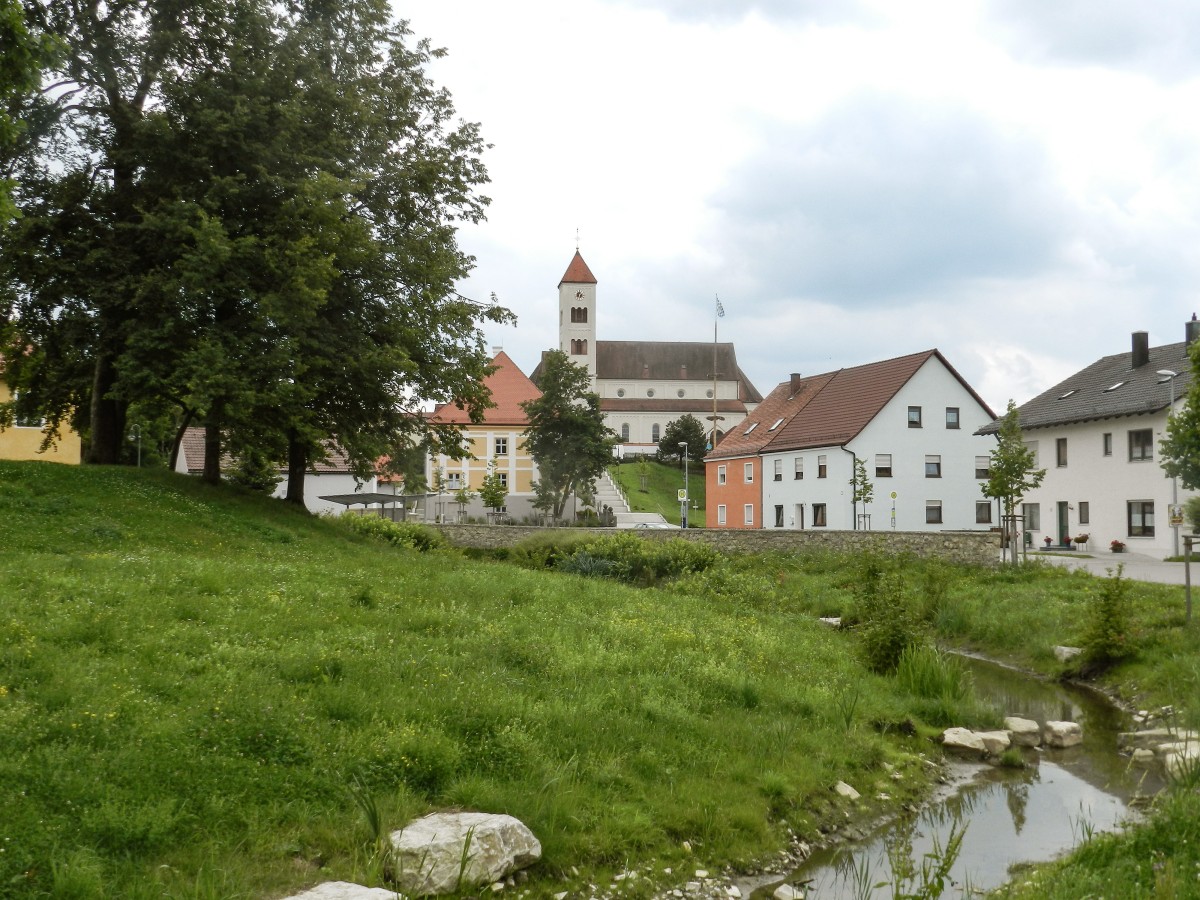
{"x": 933, "y": 388}
{"x": 1106, "y": 484}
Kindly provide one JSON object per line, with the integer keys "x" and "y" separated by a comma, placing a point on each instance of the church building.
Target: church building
{"x": 645, "y": 385}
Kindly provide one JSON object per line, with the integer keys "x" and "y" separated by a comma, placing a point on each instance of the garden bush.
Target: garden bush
{"x": 401, "y": 534}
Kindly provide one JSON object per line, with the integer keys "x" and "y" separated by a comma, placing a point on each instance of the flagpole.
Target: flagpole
{"x": 719, "y": 311}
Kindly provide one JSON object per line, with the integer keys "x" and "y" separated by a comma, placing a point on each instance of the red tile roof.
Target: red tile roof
{"x": 787, "y": 399}
{"x": 577, "y": 272}
{"x": 509, "y": 387}
{"x": 830, "y": 409}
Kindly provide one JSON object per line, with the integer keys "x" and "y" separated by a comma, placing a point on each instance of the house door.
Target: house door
{"x": 1064, "y": 521}
{"x": 799, "y": 520}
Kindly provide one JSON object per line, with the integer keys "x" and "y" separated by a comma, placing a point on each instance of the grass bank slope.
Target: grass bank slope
{"x": 652, "y": 486}
{"x": 207, "y": 694}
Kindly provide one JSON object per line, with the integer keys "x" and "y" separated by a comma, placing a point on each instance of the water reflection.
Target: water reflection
{"x": 1003, "y": 816}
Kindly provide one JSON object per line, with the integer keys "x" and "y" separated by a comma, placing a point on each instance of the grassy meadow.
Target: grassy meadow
{"x": 206, "y": 694}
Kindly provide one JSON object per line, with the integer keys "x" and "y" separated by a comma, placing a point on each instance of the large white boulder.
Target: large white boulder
{"x": 1023, "y": 732}
{"x": 442, "y": 852}
{"x": 1062, "y": 734}
{"x": 963, "y": 740}
{"x": 344, "y": 890}
{"x": 995, "y": 742}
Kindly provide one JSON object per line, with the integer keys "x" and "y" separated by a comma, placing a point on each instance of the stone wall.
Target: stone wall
{"x": 971, "y": 547}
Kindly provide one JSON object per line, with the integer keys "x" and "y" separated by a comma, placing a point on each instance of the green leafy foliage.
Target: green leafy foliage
{"x": 1011, "y": 474}
{"x": 1106, "y": 639}
{"x": 566, "y": 436}
{"x": 686, "y": 429}
{"x": 400, "y": 534}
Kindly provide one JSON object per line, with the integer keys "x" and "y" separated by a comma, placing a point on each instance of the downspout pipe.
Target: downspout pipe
{"x": 853, "y": 485}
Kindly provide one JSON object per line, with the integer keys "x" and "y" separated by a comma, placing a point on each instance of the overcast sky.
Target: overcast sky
{"x": 1013, "y": 182}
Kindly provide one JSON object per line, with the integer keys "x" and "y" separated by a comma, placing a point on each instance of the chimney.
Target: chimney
{"x": 1141, "y": 349}
{"x": 1191, "y": 330}
{"x": 796, "y": 381}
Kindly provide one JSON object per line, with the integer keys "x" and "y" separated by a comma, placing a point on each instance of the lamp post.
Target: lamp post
{"x": 135, "y": 434}
{"x": 1170, "y": 376}
{"x": 683, "y": 501}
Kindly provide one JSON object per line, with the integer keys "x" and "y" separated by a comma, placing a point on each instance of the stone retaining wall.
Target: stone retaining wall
{"x": 972, "y": 547}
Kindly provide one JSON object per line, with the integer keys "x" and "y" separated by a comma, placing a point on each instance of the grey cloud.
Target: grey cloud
{"x": 720, "y": 12}
{"x": 1160, "y": 38}
{"x": 883, "y": 199}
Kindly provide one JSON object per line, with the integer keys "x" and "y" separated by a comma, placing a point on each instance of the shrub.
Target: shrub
{"x": 638, "y": 560}
{"x": 887, "y": 622}
{"x": 401, "y": 534}
{"x": 1106, "y": 638}
{"x": 548, "y": 549}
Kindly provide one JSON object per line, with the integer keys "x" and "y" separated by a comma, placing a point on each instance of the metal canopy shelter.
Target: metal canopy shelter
{"x": 364, "y": 500}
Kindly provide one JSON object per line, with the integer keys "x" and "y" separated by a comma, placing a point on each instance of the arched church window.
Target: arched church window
{"x": 625, "y": 431}
{"x": 579, "y": 347}
{"x": 654, "y": 433}
{"x": 579, "y": 314}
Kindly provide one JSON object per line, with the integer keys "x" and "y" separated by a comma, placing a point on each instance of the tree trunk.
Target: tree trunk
{"x": 178, "y": 442}
{"x": 107, "y": 425}
{"x": 212, "y": 453}
{"x": 297, "y": 468}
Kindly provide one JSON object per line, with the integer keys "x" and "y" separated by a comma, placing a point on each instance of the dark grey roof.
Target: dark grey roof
{"x": 1108, "y": 388}
{"x": 672, "y": 361}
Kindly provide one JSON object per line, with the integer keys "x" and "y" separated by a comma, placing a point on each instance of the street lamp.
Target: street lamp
{"x": 683, "y": 501}
{"x": 1170, "y": 377}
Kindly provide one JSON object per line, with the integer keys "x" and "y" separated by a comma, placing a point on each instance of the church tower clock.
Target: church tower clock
{"x": 577, "y": 315}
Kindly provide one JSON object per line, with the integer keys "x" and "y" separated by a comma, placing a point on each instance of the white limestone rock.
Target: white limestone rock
{"x": 1023, "y": 732}
{"x": 995, "y": 742}
{"x": 844, "y": 790}
{"x": 1183, "y": 760}
{"x": 963, "y": 740}
{"x": 1066, "y": 654}
{"x": 788, "y": 892}
{"x": 343, "y": 890}
{"x": 1062, "y": 734}
{"x": 429, "y": 852}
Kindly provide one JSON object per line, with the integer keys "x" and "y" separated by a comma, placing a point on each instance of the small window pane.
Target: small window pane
{"x": 883, "y": 465}
{"x": 914, "y": 417}
{"x": 983, "y": 512}
{"x": 933, "y": 512}
{"x": 951, "y": 416}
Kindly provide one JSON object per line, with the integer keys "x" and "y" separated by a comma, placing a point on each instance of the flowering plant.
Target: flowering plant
{"x": 1048, "y": 540}
{"x": 1117, "y": 546}
{"x": 1066, "y": 540}
{"x": 1081, "y": 538}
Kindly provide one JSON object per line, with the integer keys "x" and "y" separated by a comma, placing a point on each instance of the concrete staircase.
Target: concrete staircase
{"x": 608, "y": 494}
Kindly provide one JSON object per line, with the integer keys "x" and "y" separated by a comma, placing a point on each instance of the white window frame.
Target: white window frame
{"x": 748, "y": 514}
{"x": 748, "y": 473}
{"x": 720, "y": 513}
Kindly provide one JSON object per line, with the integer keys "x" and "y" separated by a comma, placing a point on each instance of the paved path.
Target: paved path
{"x": 1138, "y": 566}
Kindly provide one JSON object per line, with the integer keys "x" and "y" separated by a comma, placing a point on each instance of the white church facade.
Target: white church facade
{"x": 645, "y": 385}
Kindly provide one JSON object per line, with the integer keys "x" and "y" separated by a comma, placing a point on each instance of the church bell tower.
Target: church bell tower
{"x": 577, "y": 315}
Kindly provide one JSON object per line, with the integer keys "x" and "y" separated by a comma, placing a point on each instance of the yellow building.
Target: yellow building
{"x": 498, "y": 440}
{"x": 24, "y": 440}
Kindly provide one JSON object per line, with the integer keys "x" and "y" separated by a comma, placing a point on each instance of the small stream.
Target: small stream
{"x": 1011, "y": 816}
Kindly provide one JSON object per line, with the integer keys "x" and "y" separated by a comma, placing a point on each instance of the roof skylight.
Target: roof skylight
{"x": 778, "y": 422}
{"x": 750, "y": 429}
{"x": 1114, "y": 387}
{"x": 1067, "y": 394}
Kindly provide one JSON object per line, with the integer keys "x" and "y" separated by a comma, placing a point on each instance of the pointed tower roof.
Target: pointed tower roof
{"x": 577, "y": 272}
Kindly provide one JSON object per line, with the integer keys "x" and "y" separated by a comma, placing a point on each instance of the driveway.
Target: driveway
{"x": 1137, "y": 566}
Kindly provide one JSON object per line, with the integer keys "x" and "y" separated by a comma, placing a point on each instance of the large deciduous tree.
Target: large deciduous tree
{"x": 686, "y": 429}
{"x": 1180, "y": 449}
{"x": 1011, "y": 474}
{"x": 566, "y": 436}
{"x": 266, "y": 239}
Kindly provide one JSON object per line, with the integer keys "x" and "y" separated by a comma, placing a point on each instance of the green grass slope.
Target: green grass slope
{"x": 660, "y": 493}
{"x": 207, "y": 694}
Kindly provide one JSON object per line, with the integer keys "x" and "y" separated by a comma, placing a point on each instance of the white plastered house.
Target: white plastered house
{"x": 1097, "y": 435}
